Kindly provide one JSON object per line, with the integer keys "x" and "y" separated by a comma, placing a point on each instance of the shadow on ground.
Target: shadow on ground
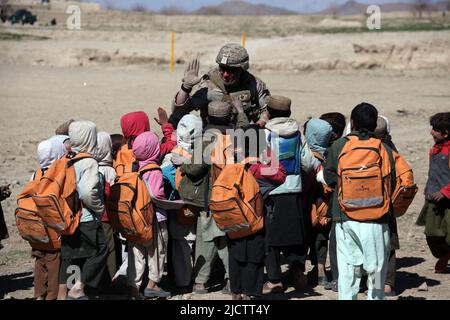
{"x": 14, "y": 282}
{"x": 406, "y": 262}
{"x": 408, "y": 280}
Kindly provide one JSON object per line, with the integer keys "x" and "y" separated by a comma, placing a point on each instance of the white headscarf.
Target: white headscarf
{"x": 83, "y": 136}
{"x": 103, "y": 151}
{"x": 50, "y": 150}
{"x": 189, "y": 128}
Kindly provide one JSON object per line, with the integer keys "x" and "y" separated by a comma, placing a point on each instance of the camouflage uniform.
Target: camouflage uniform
{"x": 251, "y": 90}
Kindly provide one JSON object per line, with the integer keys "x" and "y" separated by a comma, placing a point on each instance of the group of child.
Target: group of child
{"x": 314, "y": 168}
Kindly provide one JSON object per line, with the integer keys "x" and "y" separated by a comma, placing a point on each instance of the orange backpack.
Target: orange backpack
{"x": 57, "y": 199}
{"x": 405, "y": 188}
{"x": 221, "y": 154}
{"x": 30, "y": 225}
{"x": 236, "y": 202}
{"x": 129, "y": 206}
{"x": 124, "y": 160}
{"x": 320, "y": 206}
{"x": 364, "y": 179}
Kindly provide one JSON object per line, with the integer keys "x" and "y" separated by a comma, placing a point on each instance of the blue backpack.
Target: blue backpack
{"x": 288, "y": 151}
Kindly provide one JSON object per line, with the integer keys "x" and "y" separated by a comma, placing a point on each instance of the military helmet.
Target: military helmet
{"x": 233, "y": 55}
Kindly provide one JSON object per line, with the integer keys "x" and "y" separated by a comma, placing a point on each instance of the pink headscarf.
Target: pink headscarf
{"x": 134, "y": 123}
{"x": 146, "y": 149}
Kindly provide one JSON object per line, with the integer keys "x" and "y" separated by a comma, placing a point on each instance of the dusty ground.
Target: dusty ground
{"x": 45, "y": 82}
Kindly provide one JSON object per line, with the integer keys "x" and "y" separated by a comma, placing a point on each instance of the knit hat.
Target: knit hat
{"x": 219, "y": 109}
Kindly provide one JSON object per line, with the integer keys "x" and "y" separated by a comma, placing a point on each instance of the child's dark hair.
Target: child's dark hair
{"x": 117, "y": 142}
{"x": 364, "y": 117}
{"x": 337, "y": 122}
{"x": 278, "y": 113}
{"x": 440, "y": 122}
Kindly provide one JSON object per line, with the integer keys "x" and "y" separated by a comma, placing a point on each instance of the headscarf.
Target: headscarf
{"x": 146, "y": 148}
{"x": 189, "y": 129}
{"x": 83, "y": 136}
{"x": 318, "y": 134}
{"x": 50, "y": 150}
{"x": 134, "y": 123}
{"x": 104, "y": 149}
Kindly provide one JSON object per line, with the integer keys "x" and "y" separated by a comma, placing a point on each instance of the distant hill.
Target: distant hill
{"x": 238, "y": 7}
{"x": 354, "y": 7}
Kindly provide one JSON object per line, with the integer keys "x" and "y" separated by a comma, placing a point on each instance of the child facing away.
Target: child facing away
{"x": 146, "y": 149}
{"x": 318, "y": 134}
{"x": 46, "y": 266}
{"x": 246, "y": 254}
{"x": 87, "y": 247}
{"x": 435, "y": 214}
{"x": 105, "y": 167}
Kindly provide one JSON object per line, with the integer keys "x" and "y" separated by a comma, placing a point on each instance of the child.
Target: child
{"x": 46, "y": 267}
{"x": 133, "y": 124}
{"x": 88, "y": 242}
{"x": 435, "y": 215}
{"x": 146, "y": 149}
{"x": 246, "y": 255}
{"x": 286, "y": 224}
{"x": 105, "y": 162}
{"x": 383, "y": 132}
{"x": 318, "y": 134}
{"x": 337, "y": 122}
{"x": 362, "y": 234}
{"x": 182, "y": 235}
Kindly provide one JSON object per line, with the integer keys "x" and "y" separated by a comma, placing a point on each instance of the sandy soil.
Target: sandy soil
{"x": 35, "y": 96}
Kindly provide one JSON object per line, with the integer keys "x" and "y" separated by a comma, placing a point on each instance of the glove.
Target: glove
{"x": 191, "y": 77}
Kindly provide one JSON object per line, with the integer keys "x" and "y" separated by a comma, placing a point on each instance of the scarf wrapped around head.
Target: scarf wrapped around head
{"x": 134, "y": 123}
{"x": 83, "y": 136}
{"x": 318, "y": 134}
{"x": 189, "y": 128}
{"x": 50, "y": 150}
{"x": 104, "y": 149}
{"x": 146, "y": 148}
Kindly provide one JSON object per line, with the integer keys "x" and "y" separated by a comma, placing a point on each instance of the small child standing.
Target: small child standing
{"x": 146, "y": 149}
{"x": 246, "y": 254}
{"x": 435, "y": 215}
{"x": 46, "y": 267}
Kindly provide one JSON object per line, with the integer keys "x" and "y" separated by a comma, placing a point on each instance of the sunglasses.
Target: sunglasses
{"x": 229, "y": 70}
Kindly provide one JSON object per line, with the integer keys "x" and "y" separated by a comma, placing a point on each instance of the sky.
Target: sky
{"x": 190, "y": 5}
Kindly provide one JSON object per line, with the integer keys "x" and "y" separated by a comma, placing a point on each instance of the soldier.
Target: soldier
{"x": 230, "y": 79}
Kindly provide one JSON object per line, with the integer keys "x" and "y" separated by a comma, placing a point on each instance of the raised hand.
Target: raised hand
{"x": 191, "y": 77}
{"x": 162, "y": 116}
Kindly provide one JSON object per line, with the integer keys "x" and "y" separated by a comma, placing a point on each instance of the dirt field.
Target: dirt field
{"x": 100, "y": 75}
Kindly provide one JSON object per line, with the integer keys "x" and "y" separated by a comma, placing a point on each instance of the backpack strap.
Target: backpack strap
{"x": 392, "y": 161}
{"x": 149, "y": 167}
{"x": 74, "y": 157}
